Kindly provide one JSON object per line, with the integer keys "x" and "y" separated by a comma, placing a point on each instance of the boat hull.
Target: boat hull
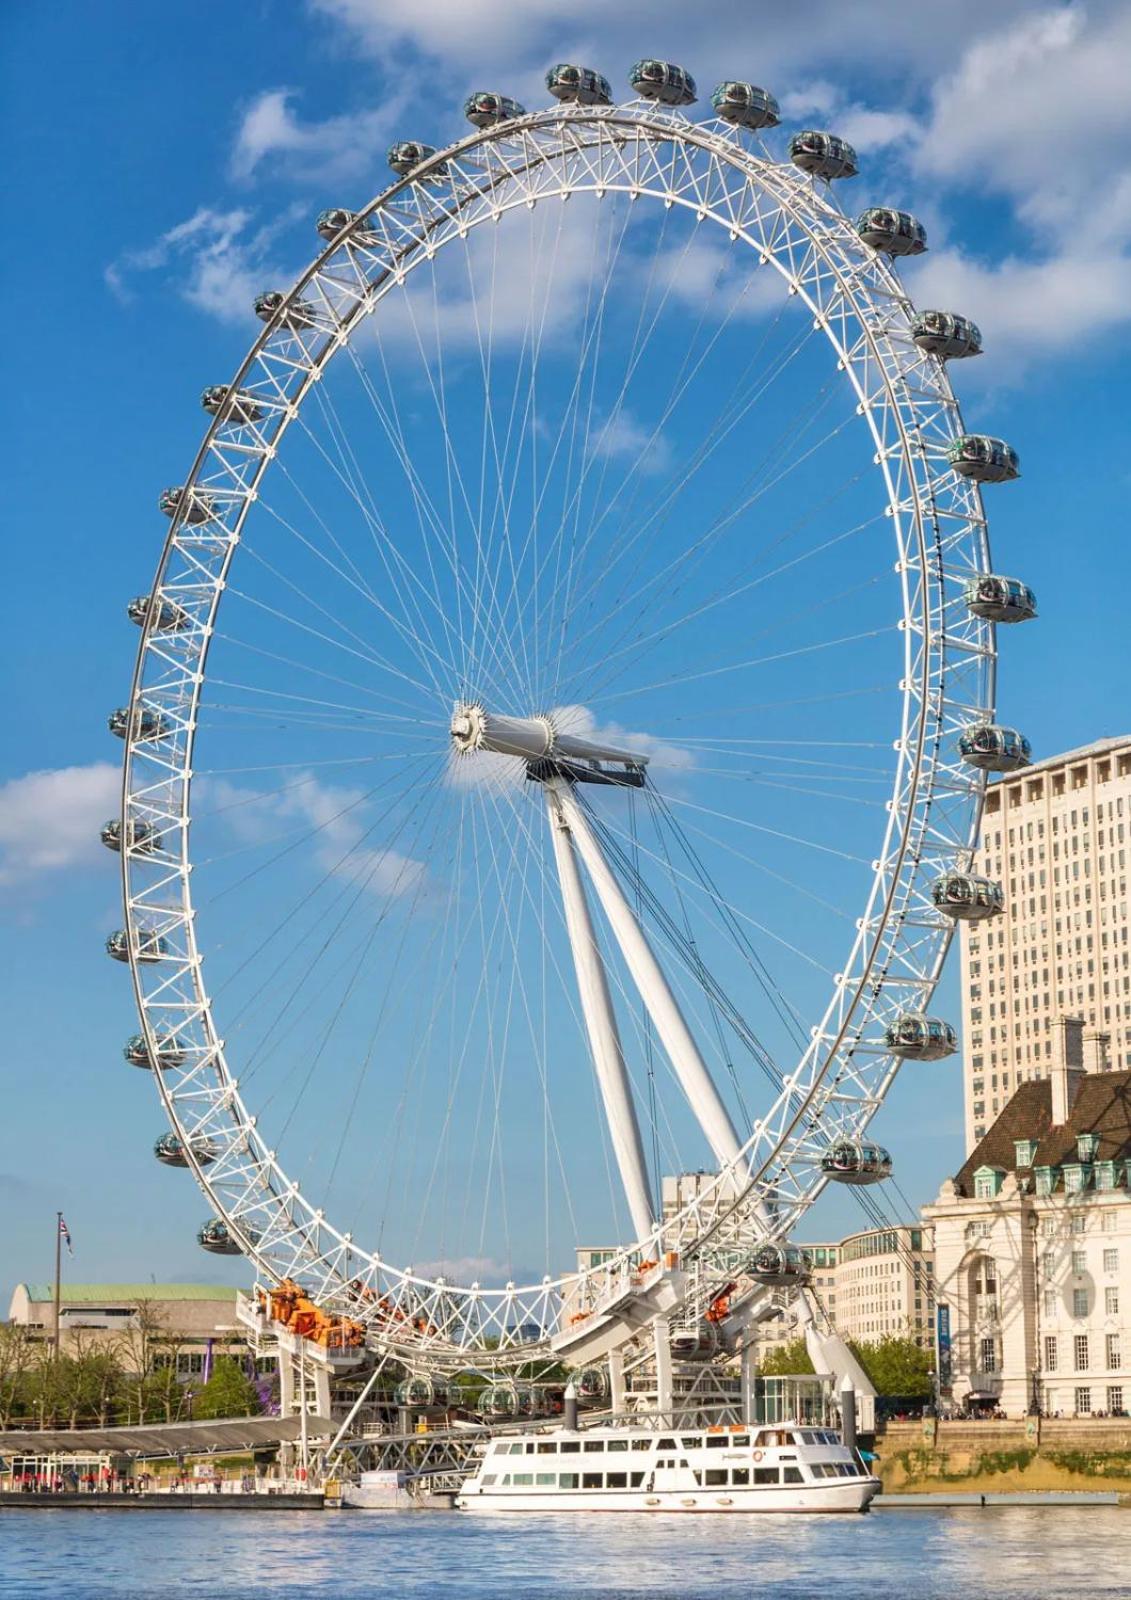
{"x": 841, "y": 1497}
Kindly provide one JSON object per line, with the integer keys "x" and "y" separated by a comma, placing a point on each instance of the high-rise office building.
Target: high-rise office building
{"x": 1055, "y": 836}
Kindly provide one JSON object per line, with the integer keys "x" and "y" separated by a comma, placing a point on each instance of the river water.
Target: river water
{"x": 1008, "y": 1553}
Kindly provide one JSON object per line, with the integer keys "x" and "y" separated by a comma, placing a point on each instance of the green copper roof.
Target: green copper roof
{"x": 108, "y": 1293}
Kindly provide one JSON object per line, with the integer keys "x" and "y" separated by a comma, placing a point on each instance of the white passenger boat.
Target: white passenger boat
{"x": 783, "y": 1467}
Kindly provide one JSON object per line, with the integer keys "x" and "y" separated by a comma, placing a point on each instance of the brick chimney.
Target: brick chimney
{"x": 1097, "y": 1051}
{"x": 1067, "y": 1066}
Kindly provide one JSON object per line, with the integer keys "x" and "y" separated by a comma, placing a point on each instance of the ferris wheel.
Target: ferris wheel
{"x": 559, "y": 728}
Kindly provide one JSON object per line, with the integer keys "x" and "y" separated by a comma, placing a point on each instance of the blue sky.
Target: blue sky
{"x": 171, "y": 165}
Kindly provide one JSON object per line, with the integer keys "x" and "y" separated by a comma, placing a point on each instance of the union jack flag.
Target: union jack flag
{"x": 66, "y": 1234}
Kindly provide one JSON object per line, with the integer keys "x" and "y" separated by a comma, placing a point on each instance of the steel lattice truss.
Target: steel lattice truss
{"x": 854, "y": 296}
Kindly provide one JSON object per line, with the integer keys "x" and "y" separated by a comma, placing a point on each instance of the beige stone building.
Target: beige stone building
{"x": 181, "y": 1322}
{"x": 1033, "y": 1247}
{"x": 1055, "y": 836}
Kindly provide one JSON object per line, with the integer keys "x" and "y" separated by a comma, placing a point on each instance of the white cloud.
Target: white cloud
{"x": 342, "y": 146}
{"x": 216, "y": 259}
{"x": 624, "y": 435}
{"x": 466, "y": 1270}
{"x": 583, "y": 724}
{"x": 49, "y": 820}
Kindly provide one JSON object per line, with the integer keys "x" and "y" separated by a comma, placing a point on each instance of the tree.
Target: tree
{"x": 229, "y": 1392}
{"x": 899, "y": 1368}
{"x": 786, "y": 1360}
{"x": 19, "y": 1356}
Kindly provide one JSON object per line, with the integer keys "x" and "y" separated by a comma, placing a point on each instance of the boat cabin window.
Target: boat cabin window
{"x": 568, "y": 1480}
{"x": 571, "y": 1447}
{"x": 717, "y": 1441}
{"x": 546, "y": 1480}
{"x": 740, "y": 1477}
{"x": 793, "y": 1475}
{"x": 642, "y": 1444}
{"x": 716, "y": 1477}
{"x": 740, "y": 1439}
{"x": 767, "y": 1475}
{"x": 547, "y": 1449}
{"x": 616, "y": 1444}
{"x": 666, "y": 1444}
{"x": 616, "y": 1480}
{"x": 525, "y": 1479}
{"x": 592, "y": 1480}
{"x": 593, "y": 1445}
{"x": 489, "y": 1478}
{"x": 691, "y": 1444}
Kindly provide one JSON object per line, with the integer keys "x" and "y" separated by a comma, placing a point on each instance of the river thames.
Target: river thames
{"x": 1010, "y": 1554}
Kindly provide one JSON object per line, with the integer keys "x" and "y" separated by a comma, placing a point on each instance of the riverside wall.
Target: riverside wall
{"x": 1033, "y": 1453}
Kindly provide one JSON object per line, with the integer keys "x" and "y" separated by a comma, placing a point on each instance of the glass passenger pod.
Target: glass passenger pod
{"x": 499, "y": 1400}
{"x": 486, "y": 109}
{"x": 170, "y": 1150}
{"x": 169, "y": 1052}
{"x": 423, "y": 1393}
{"x": 823, "y": 155}
{"x": 145, "y": 724}
{"x": 579, "y": 85}
{"x": 592, "y": 1385}
{"x": 994, "y": 749}
{"x": 199, "y": 505}
{"x": 149, "y": 946}
{"x": 985, "y": 459}
{"x": 231, "y": 405}
{"x": 298, "y": 316}
{"x": 407, "y": 154}
{"x": 896, "y": 233}
{"x": 745, "y": 105}
{"x": 944, "y": 333}
{"x": 168, "y": 616}
{"x": 920, "y": 1038}
{"x": 969, "y": 899}
{"x": 851, "y": 1162}
{"x": 141, "y": 836}
{"x": 663, "y": 81}
{"x": 218, "y": 1240}
{"x": 779, "y": 1265}
{"x": 331, "y": 222}
{"x": 999, "y": 599}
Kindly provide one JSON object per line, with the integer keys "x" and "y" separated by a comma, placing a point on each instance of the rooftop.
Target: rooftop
{"x": 1102, "y": 1105}
{"x": 1100, "y": 747}
{"x": 109, "y": 1293}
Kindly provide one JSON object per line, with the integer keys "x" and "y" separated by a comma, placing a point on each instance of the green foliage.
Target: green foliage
{"x": 787, "y": 1360}
{"x": 229, "y": 1392}
{"x": 897, "y": 1366}
{"x": 1093, "y": 1463}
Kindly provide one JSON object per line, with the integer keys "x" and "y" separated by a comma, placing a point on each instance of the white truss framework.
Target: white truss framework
{"x": 937, "y": 524}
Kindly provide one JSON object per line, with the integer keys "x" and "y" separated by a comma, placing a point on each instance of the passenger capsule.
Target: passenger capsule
{"x": 697, "y": 1342}
{"x": 297, "y": 316}
{"x": 217, "y": 1239}
{"x": 823, "y": 155}
{"x": 169, "y": 1052}
{"x": 146, "y": 723}
{"x": 499, "y": 1400}
{"x": 894, "y": 233}
{"x": 487, "y": 110}
{"x": 993, "y": 748}
{"x": 592, "y": 1385}
{"x": 199, "y": 505}
{"x": 423, "y": 1393}
{"x": 663, "y": 81}
{"x": 986, "y": 460}
{"x": 579, "y": 85}
{"x": 778, "y": 1265}
{"x": 140, "y": 836}
{"x": 848, "y": 1161}
{"x": 1000, "y": 599}
{"x": 408, "y": 154}
{"x": 746, "y": 105}
{"x": 149, "y": 946}
{"x": 231, "y": 405}
{"x": 944, "y": 333}
{"x": 967, "y": 898}
{"x": 167, "y": 615}
{"x": 331, "y": 222}
{"x": 920, "y": 1038}
{"x": 171, "y": 1152}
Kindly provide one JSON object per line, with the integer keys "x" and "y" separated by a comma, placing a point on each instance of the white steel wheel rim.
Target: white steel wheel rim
{"x": 904, "y": 396}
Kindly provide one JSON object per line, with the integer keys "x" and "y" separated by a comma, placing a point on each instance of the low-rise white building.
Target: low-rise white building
{"x": 1033, "y": 1247}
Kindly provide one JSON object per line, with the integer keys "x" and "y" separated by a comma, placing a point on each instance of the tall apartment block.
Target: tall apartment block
{"x": 1055, "y": 836}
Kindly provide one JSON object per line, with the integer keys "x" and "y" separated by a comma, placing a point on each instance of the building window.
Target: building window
{"x": 989, "y": 1356}
{"x": 1087, "y": 1144}
{"x": 1080, "y": 1354}
{"x": 1115, "y": 1399}
{"x": 1083, "y": 1402}
{"x": 1079, "y": 1262}
{"x": 1025, "y": 1152}
{"x": 1079, "y": 1302}
{"x": 1108, "y": 1222}
{"x": 1078, "y": 1223}
{"x": 1105, "y": 1175}
{"x": 1111, "y": 1260}
{"x": 1076, "y": 1178}
{"x": 1045, "y": 1178}
{"x": 1050, "y": 1352}
{"x": 987, "y": 1182}
{"x": 1111, "y": 1302}
{"x": 1048, "y": 1227}
{"x": 1111, "y": 1352}
{"x": 1050, "y": 1302}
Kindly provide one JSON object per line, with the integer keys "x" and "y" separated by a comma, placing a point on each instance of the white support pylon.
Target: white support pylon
{"x": 661, "y": 1003}
{"x": 601, "y": 1022}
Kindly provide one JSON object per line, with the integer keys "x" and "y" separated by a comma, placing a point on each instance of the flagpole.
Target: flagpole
{"x": 58, "y": 1275}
